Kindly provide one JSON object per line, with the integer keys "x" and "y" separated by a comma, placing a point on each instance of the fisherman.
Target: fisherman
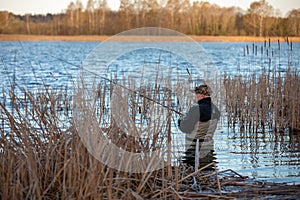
{"x": 199, "y": 125}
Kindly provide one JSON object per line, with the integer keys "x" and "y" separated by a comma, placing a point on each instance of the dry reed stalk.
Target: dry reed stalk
{"x": 176, "y": 182}
{"x": 184, "y": 178}
{"x": 45, "y": 158}
{"x": 263, "y": 101}
{"x": 217, "y": 179}
{"x": 169, "y": 124}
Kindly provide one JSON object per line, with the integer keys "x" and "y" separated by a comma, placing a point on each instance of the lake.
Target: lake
{"x": 263, "y": 156}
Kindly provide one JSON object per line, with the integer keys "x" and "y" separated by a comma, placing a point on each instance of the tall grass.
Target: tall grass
{"x": 264, "y": 103}
{"x": 42, "y": 160}
{"x": 267, "y": 97}
{"x": 42, "y": 156}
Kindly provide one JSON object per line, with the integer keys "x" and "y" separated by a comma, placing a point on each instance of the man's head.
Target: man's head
{"x": 202, "y": 91}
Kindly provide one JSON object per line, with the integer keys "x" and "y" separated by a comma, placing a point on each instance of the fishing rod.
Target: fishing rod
{"x": 122, "y": 86}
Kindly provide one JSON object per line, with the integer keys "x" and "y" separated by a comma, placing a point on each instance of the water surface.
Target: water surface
{"x": 264, "y": 156}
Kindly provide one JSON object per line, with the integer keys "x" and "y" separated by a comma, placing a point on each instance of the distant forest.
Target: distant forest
{"x": 197, "y": 18}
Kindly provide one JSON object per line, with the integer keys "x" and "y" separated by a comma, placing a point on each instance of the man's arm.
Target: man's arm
{"x": 187, "y": 124}
{"x": 215, "y": 112}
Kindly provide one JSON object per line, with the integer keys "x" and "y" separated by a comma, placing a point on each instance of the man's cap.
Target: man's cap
{"x": 202, "y": 89}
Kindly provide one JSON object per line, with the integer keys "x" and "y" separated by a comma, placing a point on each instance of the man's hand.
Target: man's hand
{"x": 178, "y": 122}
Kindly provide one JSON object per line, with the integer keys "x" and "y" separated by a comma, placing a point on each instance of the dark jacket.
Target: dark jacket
{"x": 204, "y": 111}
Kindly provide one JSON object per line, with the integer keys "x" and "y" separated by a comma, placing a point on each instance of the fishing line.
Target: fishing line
{"x": 42, "y": 79}
{"x": 122, "y": 86}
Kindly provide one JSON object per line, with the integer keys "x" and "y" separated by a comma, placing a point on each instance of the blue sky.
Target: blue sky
{"x": 57, "y": 6}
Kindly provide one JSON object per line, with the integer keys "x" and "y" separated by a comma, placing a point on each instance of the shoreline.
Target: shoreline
{"x": 101, "y": 38}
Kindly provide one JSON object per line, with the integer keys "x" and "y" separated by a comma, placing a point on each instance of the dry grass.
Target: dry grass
{"x": 42, "y": 155}
{"x": 83, "y": 38}
{"x": 268, "y": 98}
{"x": 99, "y": 38}
{"x": 264, "y": 102}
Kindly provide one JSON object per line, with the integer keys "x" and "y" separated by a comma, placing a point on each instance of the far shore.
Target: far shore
{"x": 100, "y": 38}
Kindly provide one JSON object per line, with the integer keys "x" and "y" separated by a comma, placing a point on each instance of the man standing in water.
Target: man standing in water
{"x": 199, "y": 125}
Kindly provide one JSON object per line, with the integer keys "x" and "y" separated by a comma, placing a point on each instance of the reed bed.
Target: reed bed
{"x": 44, "y": 157}
{"x": 264, "y": 103}
{"x": 265, "y": 97}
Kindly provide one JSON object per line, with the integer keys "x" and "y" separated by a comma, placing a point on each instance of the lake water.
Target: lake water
{"x": 36, "y": 65}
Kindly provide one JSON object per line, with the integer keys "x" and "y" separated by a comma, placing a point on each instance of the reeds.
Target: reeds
{"x": 267, "y": 98}
{"x": 44, "y": 157}
{"x": 260, "y": 104}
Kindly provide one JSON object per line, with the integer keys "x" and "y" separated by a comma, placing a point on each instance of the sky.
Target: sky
{"x": 58, "y": 6}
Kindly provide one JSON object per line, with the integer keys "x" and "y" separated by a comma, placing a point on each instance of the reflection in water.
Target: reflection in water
{"x": 264, "y": 156}
{"x": 189, "y": 158}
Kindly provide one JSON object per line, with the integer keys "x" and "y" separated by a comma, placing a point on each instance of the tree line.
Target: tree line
{"x": 196, "y": 18}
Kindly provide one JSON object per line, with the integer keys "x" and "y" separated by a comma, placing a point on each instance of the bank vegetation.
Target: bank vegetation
{"x": 197, "y": 18}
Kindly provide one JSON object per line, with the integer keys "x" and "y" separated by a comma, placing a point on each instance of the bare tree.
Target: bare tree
{"x": 70, "y": 13}
{"x": 257, "y": 13}
{"x": 205, "y": 20}
{"x": 140, "y": 8}
{"x": 294, "y": 22}
{"x": 102, "y": 9}
{"x": 4, "y": 20}
{"x": 227, "y": 21}
{"x": 27, "y": 19}
{"x": 176, "y": 9}
{"x": 154, "y": 14}
{"x": 90, "y": 9}
{"x": 200, "y": 18}
{"x": 125, "y": 11}
{"x": 78, "y": 9}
